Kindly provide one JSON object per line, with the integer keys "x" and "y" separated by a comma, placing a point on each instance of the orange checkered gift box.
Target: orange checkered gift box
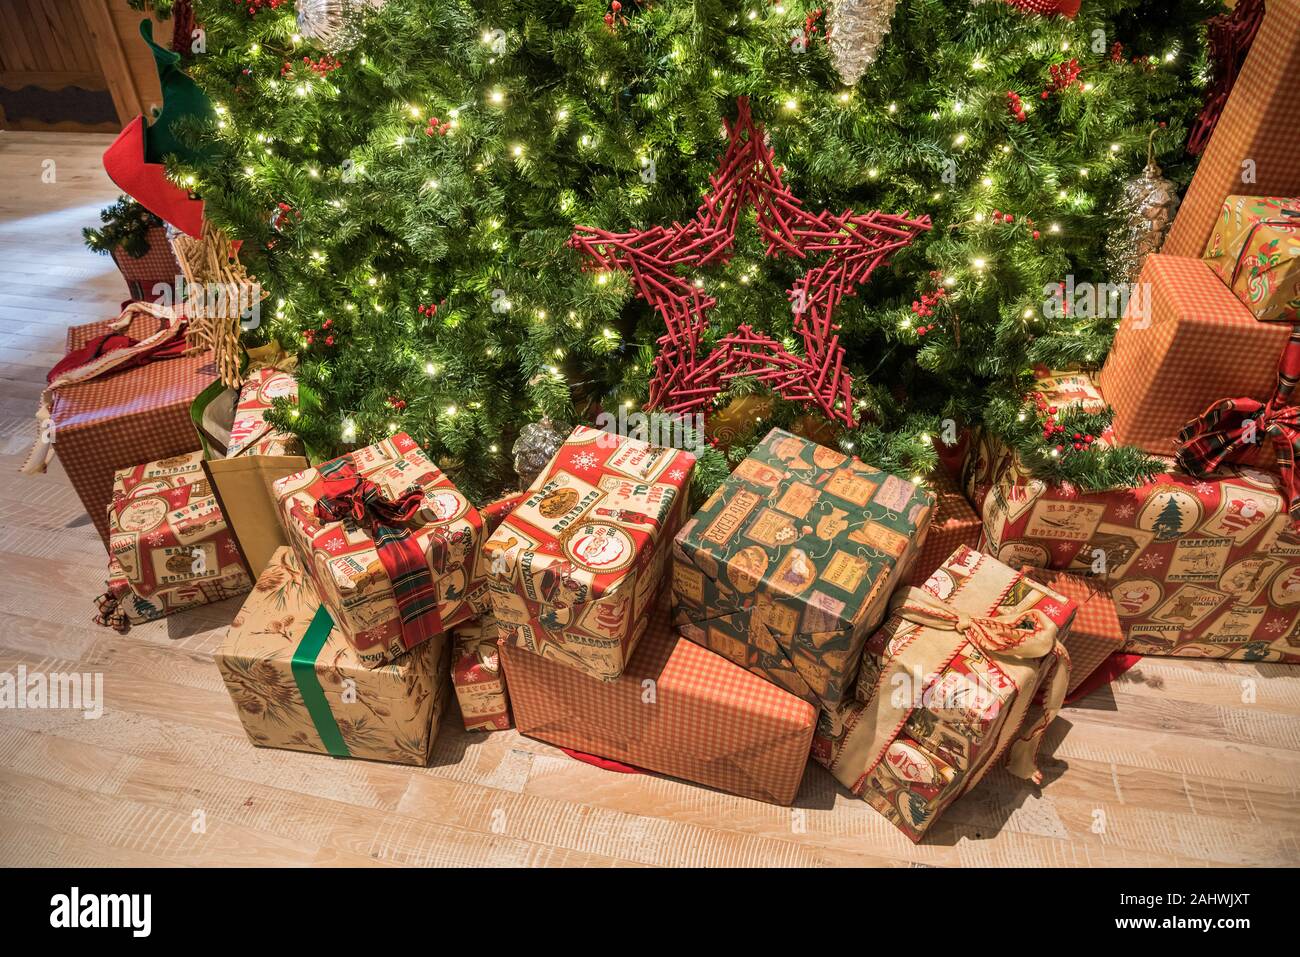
{"x": 1095, "y": 634}
{"x": 678, "y": 709}
{"x": 955, "y": 523}
{"x": 1196, "y": 344}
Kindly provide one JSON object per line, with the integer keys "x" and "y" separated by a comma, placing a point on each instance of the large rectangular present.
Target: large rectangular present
{"x": 790, "y": 563}
{"x": 168, "y": 537}
{"x": 1255, "y": 249}
{"x": 954, "y": 523}
{"x": 1095, "y": 634}
{"x": 1185, "y": 342}
{"x": 388, "y": 540}
{"x": 297, "y": 683}
{"x": 946, "y": 690}
{"x": 477, "y": 677}
{"x": 577, "y": 565}
{"x": 1197, "y": 567}
{"x": 677, "y": 709}
{"x": 125, "y": 416}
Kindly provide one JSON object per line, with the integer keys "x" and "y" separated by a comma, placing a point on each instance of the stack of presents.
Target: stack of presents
{"x": 909, "y": 636}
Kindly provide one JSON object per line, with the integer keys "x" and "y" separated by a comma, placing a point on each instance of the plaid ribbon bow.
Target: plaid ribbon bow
{"x": 1231, "y": 429}
{"x": 349, "y": 496}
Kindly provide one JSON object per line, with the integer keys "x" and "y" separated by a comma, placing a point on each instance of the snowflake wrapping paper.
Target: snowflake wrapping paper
{"x": 345, "y": 565}
{"x": 577, "y": 564}
{"x": 298, "y": 684}
{"x": 1199, "y": 568}
{"x": 939, "y": 701}
{"x": 1255, "y": 249}
{"x": 790, "y": 563}
{"x": 168, "y": 540}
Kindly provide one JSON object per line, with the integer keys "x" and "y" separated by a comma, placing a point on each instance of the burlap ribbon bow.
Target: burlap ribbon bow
{"x": 1232, "y": 429}
{"x": 347, "y": 495}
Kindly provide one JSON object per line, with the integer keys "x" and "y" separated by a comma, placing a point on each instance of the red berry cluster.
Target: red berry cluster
{"x": 437, "y": 127}
{"x": 430, "y": 310}
{"x": 613, "y": 16}
{"x": 810, "y": 25}
{"x": 283, "y": 211}
{"x": 322, "y": 67}
{"x": 1117, "y": 52}
{"x": 1054, "y": 432}
{"x": 925, "y": 307}
{"x": 325, "y": 327}
{"x": 1063, "y": 76}
{"x": 1015, "y": 107}
{"x": 396, "y": 402}
{"x": 253, "y": 6}
{"x": 1001, "y": 217}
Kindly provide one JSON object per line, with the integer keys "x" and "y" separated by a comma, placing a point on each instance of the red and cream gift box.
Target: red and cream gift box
{"x": 678, "y": 709}
{"x": 344, "y": 560}
{"x": 476, "y": 675}
{"x": 250, "y": 433}
{"x": 168, "y": 537}
{"x": 946, "y": 689}
{"x": 577, "y": 565}
{"x": 954, "y": 523}
{"x": 119, "y": 607}
{"x": 1096, "y": 633}
{"x": 1185, "y": 342}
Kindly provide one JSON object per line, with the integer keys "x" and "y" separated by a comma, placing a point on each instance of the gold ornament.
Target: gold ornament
{"x": 857, "y": 28}
{"x": 1147, "y": 206}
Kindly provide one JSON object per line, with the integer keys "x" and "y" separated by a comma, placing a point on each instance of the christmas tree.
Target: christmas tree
{"x": 407, "y": 176}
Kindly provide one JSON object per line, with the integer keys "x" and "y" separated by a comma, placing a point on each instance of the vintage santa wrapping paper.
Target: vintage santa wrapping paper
{"x": 297, "y": 683}
{"x": 477, "y": 677}
{"x": 1185, "y": 342}
{"x": 388, "y": 540}
{"x": 677, "y": 709}
{"x": 1197, "y": 567}
{"x": 1255, "y": 249}
{"x": 790, "y": 563}
{"x": 251, "y": 434}
{"x": 123, "y": 418}
{"x": 168, "y": 538}
{"x": 577, "y": 564}
{"x": 954, "y": 523}
{"x": 1095, "y": 634}
{"x": 946, "y": 690}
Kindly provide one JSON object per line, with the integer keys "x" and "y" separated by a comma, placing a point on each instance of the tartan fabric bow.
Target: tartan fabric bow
{"x": 1231, "y": 429}
{"x": 349, "y": 495}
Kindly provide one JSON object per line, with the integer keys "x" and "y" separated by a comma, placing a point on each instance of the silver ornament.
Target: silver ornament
{"x": 334, "y": 24}
{"x": 1146, "y": 208}
{"x": 857, "y": 28}
{"x": 536, "y": 446}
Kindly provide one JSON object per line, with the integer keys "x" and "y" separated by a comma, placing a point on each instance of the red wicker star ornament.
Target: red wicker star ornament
{"x": 686, "y": 381}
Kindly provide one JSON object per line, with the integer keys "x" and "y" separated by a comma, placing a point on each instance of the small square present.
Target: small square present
{"x": 1255, "y": 249}
{"x": 946, "y": 689}
{"x": 168, "y": 541}
{"x": 388, "y": 540}
{"x": 1095, "y": 634}
{"x": 677, "y": 709}
{"x": 954, "y": 523}
{"x": 576, "y": 565}
{"x": 476, "y": 675}
{"x": 790, "y": 563}
{"x": 298, "y": 684}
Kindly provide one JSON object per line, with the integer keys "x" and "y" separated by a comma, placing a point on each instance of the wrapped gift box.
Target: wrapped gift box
{"x": 677, "y": 709}
{"x": 1255, "y": 249}
{"x": 156, "y": 267}
{"x": 476, "y": 675}
{"x": 1197, "y": 567}
{"x": 298, "y": 684}
{"x": 1199, "y": 344}
{"x": 791, "y": 561}
{"x": 124, "y": 418}
{"x": 946, "y": 689}
{"x": 168, "y": 537}
{"x": 955, "y": 523}
{"x": 1095, "y": 634}
{"x": 577, "y": 564}
{"x": 345, "y": 563}
{"x": 251, "y": 434}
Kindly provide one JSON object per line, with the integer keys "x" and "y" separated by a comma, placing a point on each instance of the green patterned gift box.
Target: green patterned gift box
{"x": 790, "y": 563}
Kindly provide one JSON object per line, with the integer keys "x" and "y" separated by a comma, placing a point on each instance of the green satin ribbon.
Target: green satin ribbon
{"x": 303, "y": 665}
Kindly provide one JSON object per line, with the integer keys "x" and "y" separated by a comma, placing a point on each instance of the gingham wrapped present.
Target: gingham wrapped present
{"x": 169, "y": 539}
{"x": 122, "y": 418}
{"x": 296, "y": 682}
{"x": 677, "y": 709}
{"x": 1095, "y": 634}
{"x": 1197, "y": 567}
{"x": 477, "y": 677}
{"x": 577, "y": 564}
{"x": 955, "y": 523}
{"x": 250, "y": 433}
{"x": 389, "y": 541}
{"x": 947, "y": 689}
{"x": 1198, "y": 345}
{"x": 157, "y": 266}
{"x": 790, "y": 563}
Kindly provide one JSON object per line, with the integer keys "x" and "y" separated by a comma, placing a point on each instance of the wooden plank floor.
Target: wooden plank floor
{"x": 1182, "y": 763}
